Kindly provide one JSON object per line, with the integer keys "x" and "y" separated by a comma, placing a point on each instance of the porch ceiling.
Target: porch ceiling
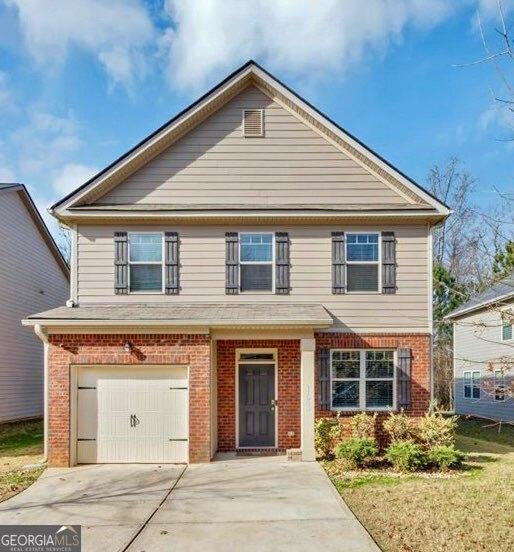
{"x": 210, "y": 315}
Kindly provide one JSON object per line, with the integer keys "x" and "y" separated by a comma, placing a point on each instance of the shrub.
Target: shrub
{"x": 406, "y": 456}
{"x": 326, "y": 432}
{"x": 446, "y": 457}
{"x": 356, "y": 451}
{"x": 399, "y": 427}
{"x": 363, "y": 425}
{"x": 437, "y": 430}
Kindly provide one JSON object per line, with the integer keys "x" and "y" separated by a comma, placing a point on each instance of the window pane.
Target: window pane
{"x": 362, "y": 277}
{"x": 379, "y": 394}
{"x": 345, "y": 394}
{"x": 362, "y": 247}
{"x": 467, "y": 377}
{"x": 476, "y": 378}
{"x": 467, "y": 391}
{"x": 345, "y": 369}
{"x": 145, "y": 247}
{"x": 379, "y": 364}
{"x": 476, "y": 392}
{"x": 145, "y": 278}
{"x": 256, "y": 247}
{"x": 506, "y": 332}
{"x": 256, "y": 278}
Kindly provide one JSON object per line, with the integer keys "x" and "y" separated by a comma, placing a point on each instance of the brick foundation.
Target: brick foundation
{"x": 67, "y": 350}
{"x": 288, "y": 393}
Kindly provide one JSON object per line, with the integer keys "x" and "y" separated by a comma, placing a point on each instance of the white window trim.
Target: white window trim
{"x": 479, "y": 385}
{"x": 161, "y": 262}
{"x": 504, "y": 385}
{"x": 272, "y": 262}
{"x": 377, "y": 262}
{"x": 243, "y": 124}
{"x": 362, "y": 383}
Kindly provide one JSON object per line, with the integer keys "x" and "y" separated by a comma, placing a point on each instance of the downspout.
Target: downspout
{"x": 41, "y": 332}
{"x": 431, "y": 306}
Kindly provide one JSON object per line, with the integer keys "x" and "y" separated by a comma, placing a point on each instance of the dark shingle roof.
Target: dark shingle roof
{"x": 503, "y": 289}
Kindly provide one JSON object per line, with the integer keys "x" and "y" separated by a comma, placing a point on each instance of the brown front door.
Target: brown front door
{"x": 256, "y": 405}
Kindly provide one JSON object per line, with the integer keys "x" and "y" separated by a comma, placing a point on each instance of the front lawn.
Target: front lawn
{"x": 471, "y": 509}
{"x": 21, "y": 452}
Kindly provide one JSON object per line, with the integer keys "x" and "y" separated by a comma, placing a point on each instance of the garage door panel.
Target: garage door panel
{"x": 157, "y": 397}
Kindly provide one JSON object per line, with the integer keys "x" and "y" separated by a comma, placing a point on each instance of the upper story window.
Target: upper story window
{"x": 145, "y": 261}
{"x": 362, "y": 262}
{"x": 256, "y": 261}
{"x": 472, "y": 384}
{"x": 506, "y": 326}
{"x": 363, "y": 380}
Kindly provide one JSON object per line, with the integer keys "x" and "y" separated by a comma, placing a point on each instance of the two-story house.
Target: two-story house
{"x": 246, "y": 268}
{"x": 483, "y": 353}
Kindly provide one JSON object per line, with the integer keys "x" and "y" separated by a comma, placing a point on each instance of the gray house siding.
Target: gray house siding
{"x": 30, "y": 280}
{"x": 477, "y": 343}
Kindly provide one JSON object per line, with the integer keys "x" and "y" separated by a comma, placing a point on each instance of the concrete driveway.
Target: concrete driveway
{"x": 241, "y": 504}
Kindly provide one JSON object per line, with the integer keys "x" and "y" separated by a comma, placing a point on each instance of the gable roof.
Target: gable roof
{"x": 499, "y": 292}
{"x": 249, "y": 73}
{"x": 29, "y": 204}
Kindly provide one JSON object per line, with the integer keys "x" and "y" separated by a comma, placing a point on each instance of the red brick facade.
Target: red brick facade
{"x": 194, "y": 350}
{"x": 67, "y": 350}
{"x": 288, "y": 394}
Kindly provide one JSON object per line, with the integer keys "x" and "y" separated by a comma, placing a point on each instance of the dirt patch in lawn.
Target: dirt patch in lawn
{"x": 21, "y": 453}
{"x": 472, "y": 509}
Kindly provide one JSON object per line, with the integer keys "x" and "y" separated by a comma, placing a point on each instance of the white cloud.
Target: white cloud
{"x": 208, "y": 37}
{"x": 7, "y": 102}
{"x": 116, "y": 31}
{"x": 71, "y": 176}
{"x": 497, "y": 116}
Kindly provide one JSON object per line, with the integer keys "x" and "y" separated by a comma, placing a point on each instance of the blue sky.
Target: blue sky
{"x": 81, "y": 81}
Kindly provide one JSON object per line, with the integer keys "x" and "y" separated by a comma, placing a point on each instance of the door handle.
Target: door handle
{"x": 134, "y": 421}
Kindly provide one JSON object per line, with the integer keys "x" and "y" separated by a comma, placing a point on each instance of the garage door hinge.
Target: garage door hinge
{"x": 80, "y": 387}
{"x": 81, "y": 439}
{"x": 177, "y": 439}
{"x": 178, "y": 387}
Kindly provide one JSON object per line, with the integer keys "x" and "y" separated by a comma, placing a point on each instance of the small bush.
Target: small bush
{"x": 363, "y": 425}
{"x": 436, "y": 430}
{"x": 446, "y": 457}
{"x": 356, "y": 451}
{"x": 327, "y": 432}
{"x": 399, "y": 427}
{"x": 406, "y": 456}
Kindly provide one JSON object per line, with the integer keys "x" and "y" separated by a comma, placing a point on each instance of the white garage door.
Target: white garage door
{"x": 132, "y": 414}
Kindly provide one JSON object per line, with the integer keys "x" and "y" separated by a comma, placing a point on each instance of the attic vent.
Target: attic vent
{"x": 253, "y": 122}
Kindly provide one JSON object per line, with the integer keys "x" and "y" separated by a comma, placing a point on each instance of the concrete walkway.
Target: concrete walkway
{"x": 236, "y": 504}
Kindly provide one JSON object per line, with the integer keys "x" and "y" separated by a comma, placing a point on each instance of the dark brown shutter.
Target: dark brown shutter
{"x": 338, "y": 263}
{"x": 171, "y": 263}
{"x": 323, "y": 370}
{"x": 282, "y": 263}
{"x": 388, "y": 263}
{"x": 231, "y": 263}
{"x": 120, "y": 263}
{"x": 404, "y": 378}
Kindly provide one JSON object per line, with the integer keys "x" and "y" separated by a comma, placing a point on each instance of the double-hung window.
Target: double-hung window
{"x": 256, "y": 262}
{"x": 362, "y": 262}
{"x": 472, "y": 384}
{"x": 499, "y": 385}
{"x": 145, "y": 261}
{"x": 363, "y": 380}
{"x": 506, "y": 330}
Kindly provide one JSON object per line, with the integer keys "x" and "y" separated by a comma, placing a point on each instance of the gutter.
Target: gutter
{"x": 41, "y": 332}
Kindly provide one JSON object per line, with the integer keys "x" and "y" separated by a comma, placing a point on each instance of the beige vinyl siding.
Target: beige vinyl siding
{"x": 216, "y": 164}
{"x": 30, "y": 281}
{"x": 202, "y": 276}
{"x": 478, "y": 341}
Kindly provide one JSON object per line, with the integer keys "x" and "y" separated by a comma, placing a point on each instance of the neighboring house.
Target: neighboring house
{"x": 33, "y": 275}
{"x": 483, "y": 353}
{"x": 247, "y": 267}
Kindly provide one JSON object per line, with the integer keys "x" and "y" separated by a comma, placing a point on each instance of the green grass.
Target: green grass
{"x": 21, "y": 449}
{"x": 467, "y": 510}
{"x": 484, "y": 430}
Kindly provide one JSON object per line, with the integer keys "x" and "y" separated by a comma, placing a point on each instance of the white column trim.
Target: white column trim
{"x": 307, "y": 398}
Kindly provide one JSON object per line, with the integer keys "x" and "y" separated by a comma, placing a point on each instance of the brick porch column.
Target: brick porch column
{"x": 307, "y": 372}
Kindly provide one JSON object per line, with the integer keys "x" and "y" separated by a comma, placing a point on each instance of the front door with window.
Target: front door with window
{"x": 256, "y": 405}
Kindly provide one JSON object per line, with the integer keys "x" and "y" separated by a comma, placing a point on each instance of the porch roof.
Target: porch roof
{"x": 208, "y": 314}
